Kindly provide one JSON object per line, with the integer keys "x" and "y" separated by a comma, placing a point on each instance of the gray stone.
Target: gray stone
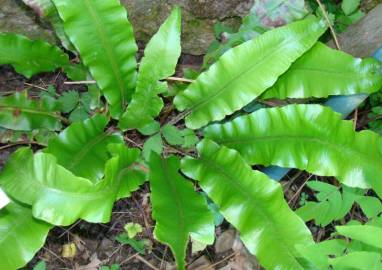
{"x": 365, "y": 37}
{"x": 199, "y": 17}
{"x": 16, "y": 17}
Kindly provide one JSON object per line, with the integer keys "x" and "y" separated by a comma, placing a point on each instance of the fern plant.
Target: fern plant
{"x": 87, "y": 166}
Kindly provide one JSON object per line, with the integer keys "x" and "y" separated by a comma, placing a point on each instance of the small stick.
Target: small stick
{"x": 221, "y": 261}
{"x": 355, "y": 119}
{"x": 35, "y": 86}
{"x": 168, "y": 79}
{"x": 329, "y": 23}
{"x": 299, "y": 190}
{"x": 179, "y": 79}
{"x": 81, "y": 82}
{"x": 21, "y": 143}
{"x": 139, "y": 257}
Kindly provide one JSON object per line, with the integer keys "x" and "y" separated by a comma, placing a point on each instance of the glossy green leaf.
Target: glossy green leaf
{"x": 41, "y": 265}
{"x": 153, "y": 144}
{"x": 30, "y": 57}
{"x": 69, "y": 100}
{"x": 179, "y": 211}
{"x": 307, "y": 137}
{"x": 58, "y": 196}
{"x": 18, "y": 112}
{"x": 371, "y": 206}
{"x": 338, "y": 73}
{"x": 104, "y": 38}
{"x": 317, "y": 254}
{"x": 190, "y": 138}
{"x": 159, "y": 61}
{"x": 131, "y": 173}
{"x": 21, "y": 236}
{"x": 46, "y": 10}
{"x": 251, "y": 202}
{"x": 82, "y": 147}
{"x": 150, "y": 129}
{"x": 79, "y": 114}
{"x": 361, "y": 260}
{"x": 349, "y": 6}
{"x": 332, "y": 204}
{"x": 367, "y": 234}
{"x": 172, "y": 135}
{"x": 137, "y": 245}
{"x": 244, "y": 72}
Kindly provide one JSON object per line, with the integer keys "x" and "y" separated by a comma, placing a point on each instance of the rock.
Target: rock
{"x": 200, "y": 264}
{"x": 365, "y": 37}
{"x": 199, "y": 17}
{"x": 225, "y": 241}
{"x": 18, "y": 18}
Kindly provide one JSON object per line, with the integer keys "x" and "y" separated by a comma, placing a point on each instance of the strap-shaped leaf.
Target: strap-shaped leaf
{"x": 338, "y": 73}
{"x": 360, "y": 260}
{"x": 46, "y": 10}
{"x": 251, "y": 202}
{"x": 130, "y": 172}
{"x": 21, "y": 236}
{"x": 368, "y": 234}
{"x": 58, "y": 196}
{"x": 307, "y": 137}
{"x": 82, "y": 147}
{"x": 30, "y": 57}
{"x": 103, "y": 36}
{"x": 18, "y": 112}
{"x": 178, "y": 210}
{"x": 159, "y": 62}
{"x": 245, "y": 71}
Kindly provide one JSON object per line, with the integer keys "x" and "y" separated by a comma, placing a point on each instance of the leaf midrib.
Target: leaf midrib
{"x": 111, "y": 56}
{"x": 32, "y": 111}
{"x": 351, "y": 151}
{"x": 86, "y": 149}
{"x": 253, "y": 201}
{"x": 176, "y": 196}
{"x": 347, "y": 73}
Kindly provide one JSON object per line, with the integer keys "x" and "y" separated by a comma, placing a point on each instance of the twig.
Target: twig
{"x": 67, "y": 231}
{"x": 54, "y": 254}
{"x": 167, "y": 79}
{"x": 163, "y": 257}
{"x": 21, "y": 143}
{"x": 39, "y": 87}
{"x": 221, "y": 261}
{"x": 133, "y": 142}
{"x": 35, "y": 86}
{"x": 139, "y": 257}
{"x": 299, "y": 189}
{"x": 81, "y": 82}
{"x": 179, "y": 117}
{"x": 179, "y": 79}
{"x": 355, "y": 118}
{"x": 329, "y": 24}
{"x": 128, "y": 259}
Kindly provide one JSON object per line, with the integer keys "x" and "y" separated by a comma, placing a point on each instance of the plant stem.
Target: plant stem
{"x": 329, "y": 24}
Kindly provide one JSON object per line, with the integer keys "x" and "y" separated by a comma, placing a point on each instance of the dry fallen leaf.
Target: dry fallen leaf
{"x": 69, "y": 250}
